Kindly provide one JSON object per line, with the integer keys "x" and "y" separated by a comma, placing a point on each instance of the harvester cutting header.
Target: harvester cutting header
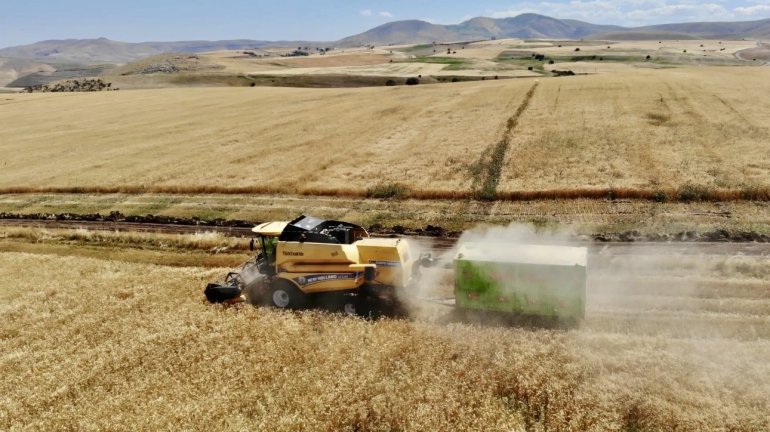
{"x": 337, "y": 265}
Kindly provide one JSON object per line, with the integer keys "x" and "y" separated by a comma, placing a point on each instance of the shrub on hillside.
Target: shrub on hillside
{"x": 388, "y": 190}
{"x": 692, "y": 192}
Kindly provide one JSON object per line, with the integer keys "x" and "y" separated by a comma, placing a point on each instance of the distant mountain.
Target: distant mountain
{"x": 93, "y": 51}
{"x": 402, "y": 32}
{"x": 534, "y": 26}
{"x": 716, "y": 30}
{"x": 522, "y": 26}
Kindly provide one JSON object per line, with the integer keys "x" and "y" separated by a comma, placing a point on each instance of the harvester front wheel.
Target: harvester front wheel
{"x": 285, "y": 295}
{"x": 351, "y": 306}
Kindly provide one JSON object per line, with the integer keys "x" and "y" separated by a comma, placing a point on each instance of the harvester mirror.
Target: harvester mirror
{"x": 251, "y": 245}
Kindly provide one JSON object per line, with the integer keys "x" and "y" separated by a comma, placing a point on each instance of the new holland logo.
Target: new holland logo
{"x": 314, "y": 279}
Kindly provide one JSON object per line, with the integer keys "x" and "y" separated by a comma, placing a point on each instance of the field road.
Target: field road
{"x": 760, "y": 45}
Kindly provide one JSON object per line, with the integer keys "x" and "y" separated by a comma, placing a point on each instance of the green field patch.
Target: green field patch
{"x": 451, "y": 62}
{"x": 417, "y": 48}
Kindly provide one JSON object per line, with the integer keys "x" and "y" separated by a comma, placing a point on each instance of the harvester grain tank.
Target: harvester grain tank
{"x": 535, "y": 280}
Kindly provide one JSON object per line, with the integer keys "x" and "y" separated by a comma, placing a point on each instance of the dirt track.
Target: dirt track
{"x": 761, "y": 52}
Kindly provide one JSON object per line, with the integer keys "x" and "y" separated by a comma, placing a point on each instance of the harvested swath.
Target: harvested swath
{"x": 201, "y": 241}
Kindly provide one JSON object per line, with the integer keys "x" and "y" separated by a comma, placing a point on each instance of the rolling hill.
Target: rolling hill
{"x": 50, "y": 60}
{"x": 102, "y": 50}
{"x": 12, "y": 69}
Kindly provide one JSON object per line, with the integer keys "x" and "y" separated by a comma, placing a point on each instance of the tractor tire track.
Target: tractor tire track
{"x": 488, "y": 168}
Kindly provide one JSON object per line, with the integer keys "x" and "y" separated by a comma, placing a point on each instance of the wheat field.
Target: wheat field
{"x": 643, "y": 132}
{"x": 657, "y": 128}
{"x": 110, "y": 330}
{"x": 671, "y": 343}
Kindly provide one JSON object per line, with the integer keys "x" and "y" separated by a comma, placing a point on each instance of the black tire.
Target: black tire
{"x": 285, "y": 295}
{"x": 352, "y": 306}
{"x": 338, "y": 302}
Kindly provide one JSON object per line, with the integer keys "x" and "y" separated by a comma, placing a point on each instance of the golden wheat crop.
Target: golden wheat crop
{"x": 205, "y": 249}
{"x": 650, "y": 130}
{"x": 92, "y": 344}
{"x": 203, "y": 240}
{"x": 287, "y": 139}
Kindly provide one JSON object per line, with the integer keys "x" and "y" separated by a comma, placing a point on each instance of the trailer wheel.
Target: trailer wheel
{"x": 284, "y": 295}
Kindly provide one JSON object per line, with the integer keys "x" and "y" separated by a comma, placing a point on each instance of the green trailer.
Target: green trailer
{"x": 532, "y": 280}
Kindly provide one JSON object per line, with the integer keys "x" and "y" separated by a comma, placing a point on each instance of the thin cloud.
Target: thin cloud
{"x": 756, "y": 10}
{"x": 637, "y": 12}
{"x": 371, "y": 13}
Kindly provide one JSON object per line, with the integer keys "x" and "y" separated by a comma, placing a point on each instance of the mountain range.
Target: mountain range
{"x": 530, "y": 26}
{"x": 534, "y": 26}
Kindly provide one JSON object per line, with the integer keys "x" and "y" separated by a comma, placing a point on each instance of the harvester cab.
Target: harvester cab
{"x": 266, "y": 240}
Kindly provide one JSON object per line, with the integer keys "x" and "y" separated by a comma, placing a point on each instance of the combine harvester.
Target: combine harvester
{"x": 336, "y": 265}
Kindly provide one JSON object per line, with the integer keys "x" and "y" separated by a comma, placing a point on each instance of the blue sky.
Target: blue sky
{"x": 27, "y": 21}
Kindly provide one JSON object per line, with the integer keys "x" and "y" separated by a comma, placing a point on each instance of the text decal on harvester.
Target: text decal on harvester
{"x": 313, "y": 279}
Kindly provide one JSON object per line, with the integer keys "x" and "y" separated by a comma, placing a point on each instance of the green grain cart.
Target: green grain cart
{"x": 529, "y": 280}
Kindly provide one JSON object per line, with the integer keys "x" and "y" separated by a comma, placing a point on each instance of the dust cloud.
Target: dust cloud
{"x": 667, "y": 325}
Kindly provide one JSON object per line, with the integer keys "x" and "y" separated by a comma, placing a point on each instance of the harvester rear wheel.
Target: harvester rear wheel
{"x": 347, "y": 303}
{"x": 285, "y": 295}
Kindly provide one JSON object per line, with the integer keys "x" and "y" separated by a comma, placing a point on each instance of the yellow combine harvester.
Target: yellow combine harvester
{"x": 336, "y": 265}
{"x": 312, "y": 261}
